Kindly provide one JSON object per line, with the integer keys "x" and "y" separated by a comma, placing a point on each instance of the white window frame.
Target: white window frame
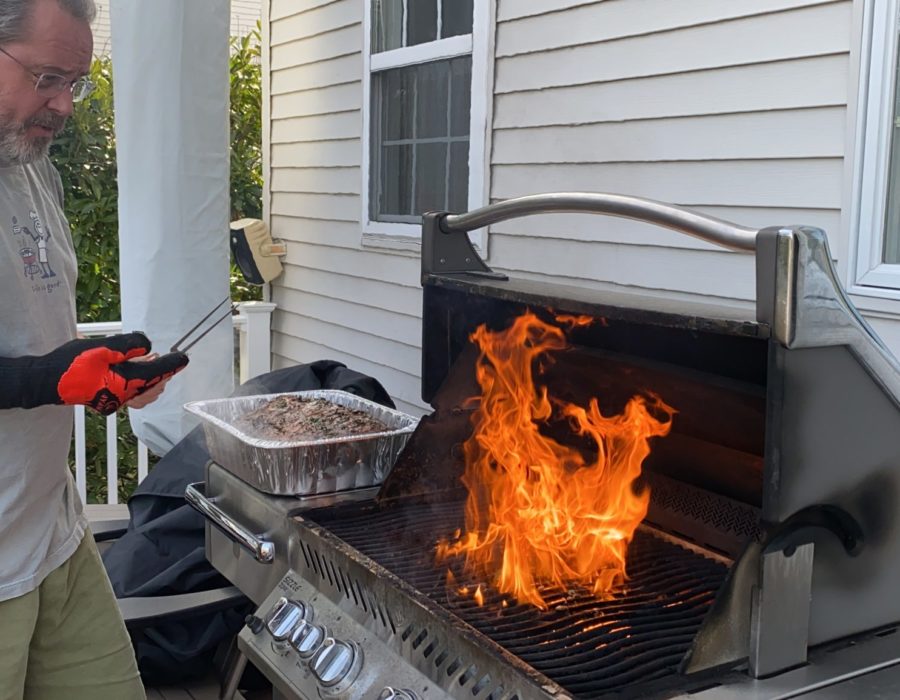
{"x": 479, "y": 45}
{"x": 868, "y": 275}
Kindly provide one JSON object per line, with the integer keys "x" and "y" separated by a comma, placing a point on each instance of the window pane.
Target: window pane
{"x": 420, "y": 139}
{"x": 461, "y": 91}
{"x": 396, "y": 178}
{"x": 432, "y": 100}
{"x": 458, "y": 199}
{"x": 892, "y": 216}
{"x": 397, "y": 97}
{"x": 422, "y": 21}
{"x": 387, "y": 25}
{"x": 431, "y": 177}
{"x": 456, "y": 18}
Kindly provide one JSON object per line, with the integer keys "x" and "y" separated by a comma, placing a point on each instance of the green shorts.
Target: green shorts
{"x": 66, "y": 639}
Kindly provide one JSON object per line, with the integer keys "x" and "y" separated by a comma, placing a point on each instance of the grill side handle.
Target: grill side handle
{"x": 262, "y": 550}
{"x": 451, "y": 254}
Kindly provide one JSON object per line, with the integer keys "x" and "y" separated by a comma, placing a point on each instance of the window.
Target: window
{"x": 425, "y": 134}
{"x": 876, "y": 200}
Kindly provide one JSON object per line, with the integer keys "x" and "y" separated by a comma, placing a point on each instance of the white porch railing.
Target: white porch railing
{"x": 252, "y": 325}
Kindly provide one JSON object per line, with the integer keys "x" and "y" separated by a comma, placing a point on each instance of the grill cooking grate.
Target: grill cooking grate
{"x": 588, "y": 646}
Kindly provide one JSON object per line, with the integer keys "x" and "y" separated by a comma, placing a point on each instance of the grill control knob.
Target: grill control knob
{"x": 284, "y": 618}
{"x": 335, "y": 662}
{"x": 276, "y": 608}
{"x": 397, "y": 694}
{"x": 307, "y": 638}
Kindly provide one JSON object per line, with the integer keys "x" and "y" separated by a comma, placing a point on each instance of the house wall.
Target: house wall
{"x": 738, "y": 109}
{"x": 336, "y": 299}
{"x": 244, "y": 16}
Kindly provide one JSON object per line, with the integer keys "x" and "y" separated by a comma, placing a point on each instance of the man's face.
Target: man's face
{"x": 53, "y": 42}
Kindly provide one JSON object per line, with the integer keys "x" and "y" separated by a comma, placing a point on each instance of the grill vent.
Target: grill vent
{"x": 694, "y": 512}
{"x": 482, "y": 684}
{"x": 417, "y": 642}
{"x": 350, "y": 588}
{"x": 468, "y": 675}
{"x": 456, "y": 672}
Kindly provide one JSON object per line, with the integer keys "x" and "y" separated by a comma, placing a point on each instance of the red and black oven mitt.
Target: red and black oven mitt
{"x": 92, "y": 372}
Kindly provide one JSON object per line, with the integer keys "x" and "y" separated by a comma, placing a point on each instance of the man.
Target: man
{"x": 61, "y": 635}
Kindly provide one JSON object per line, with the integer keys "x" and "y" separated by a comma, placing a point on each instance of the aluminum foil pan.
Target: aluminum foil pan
{"x": 302, "y": 468}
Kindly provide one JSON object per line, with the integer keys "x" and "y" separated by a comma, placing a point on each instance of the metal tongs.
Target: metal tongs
{"x": 176, "y": 347}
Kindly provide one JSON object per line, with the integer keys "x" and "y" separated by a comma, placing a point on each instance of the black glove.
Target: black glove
{"x": 93, "y": 372}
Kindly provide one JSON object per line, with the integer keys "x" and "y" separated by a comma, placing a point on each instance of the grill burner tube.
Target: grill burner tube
{"x": 588, "y": 646}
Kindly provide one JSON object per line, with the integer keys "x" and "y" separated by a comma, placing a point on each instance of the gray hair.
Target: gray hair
{"x": 14, "y": 15}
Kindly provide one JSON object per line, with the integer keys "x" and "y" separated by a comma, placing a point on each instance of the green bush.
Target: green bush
{"x": 246, "y": 127}
{"x": 246, "y": 143}
{"x": 85, "y": 155}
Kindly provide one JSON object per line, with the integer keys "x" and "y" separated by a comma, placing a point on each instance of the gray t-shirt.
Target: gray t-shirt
{"x": 41, "y": 520}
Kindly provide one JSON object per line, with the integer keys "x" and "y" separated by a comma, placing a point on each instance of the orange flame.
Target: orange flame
{"x": 537, "y": 513}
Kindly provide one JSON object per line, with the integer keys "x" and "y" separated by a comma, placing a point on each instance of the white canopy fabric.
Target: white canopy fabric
{"x": 170, "y": 69}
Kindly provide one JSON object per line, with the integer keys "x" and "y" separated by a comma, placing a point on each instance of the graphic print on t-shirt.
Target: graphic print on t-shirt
{"x": 33, "y": 247}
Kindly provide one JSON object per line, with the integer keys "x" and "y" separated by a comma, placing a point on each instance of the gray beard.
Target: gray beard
{"x": 17, "y": 149}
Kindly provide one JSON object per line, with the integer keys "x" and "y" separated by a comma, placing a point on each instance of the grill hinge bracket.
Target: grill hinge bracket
{"x": 445, "y": 252}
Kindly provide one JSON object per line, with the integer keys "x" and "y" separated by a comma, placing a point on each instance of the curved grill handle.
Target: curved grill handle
{"x": 707, "y": 228}
{"x": 262, "y": 550}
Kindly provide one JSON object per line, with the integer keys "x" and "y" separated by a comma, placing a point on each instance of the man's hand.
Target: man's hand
{"x": 151, "y": 394}
{"x": 92, "y": 372}
{"x": 102, "y": 377}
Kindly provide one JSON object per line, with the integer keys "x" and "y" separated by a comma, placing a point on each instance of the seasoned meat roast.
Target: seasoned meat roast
{"x": 294, "y": 418}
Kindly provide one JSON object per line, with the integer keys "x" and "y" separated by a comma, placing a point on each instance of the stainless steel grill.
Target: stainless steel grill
{"x": 772, "y": 533}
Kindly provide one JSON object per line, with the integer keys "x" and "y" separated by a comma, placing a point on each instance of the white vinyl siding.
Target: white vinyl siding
{"x": 336, "y": 300}
{"x": 245, "y": 14}
{"x": 101, "y": 29}
{"x": 737, "y": 109}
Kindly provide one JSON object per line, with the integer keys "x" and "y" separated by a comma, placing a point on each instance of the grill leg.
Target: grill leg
{"x": 235, "y": 671}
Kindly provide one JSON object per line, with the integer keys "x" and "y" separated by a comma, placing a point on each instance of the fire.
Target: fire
{"x": 537, "y": 512}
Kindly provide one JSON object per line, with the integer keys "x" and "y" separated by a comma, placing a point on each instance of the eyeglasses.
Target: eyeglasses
{"x": 49, "y": 85}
